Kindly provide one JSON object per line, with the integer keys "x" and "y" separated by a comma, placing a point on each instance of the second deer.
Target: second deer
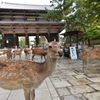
{"x": 87, "y": 54}
{"x": 8, "y": 53}
{"x": 39, "y": 51}
{"x": 28, "y": 53}
{"x": 17, "y": 52}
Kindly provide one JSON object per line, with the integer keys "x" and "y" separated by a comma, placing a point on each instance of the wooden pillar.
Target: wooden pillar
{"x": 49, "y": 33}
{"x": 77, "y": 40}
{"x": 70, "y": 39}
{"x": 37, "y": 36}
{"x": 14, "y": 35}
{"x": 27, "y": 40}
{"x": 48, "y": 37}
{"x": 83, "y": 41}
{"x": 89, "y": 44}
{"x": 17, "y": 42}
{"x": 37, "y": 40}
{"x": 3, "y": 40}
{"x": 57, "y": 37}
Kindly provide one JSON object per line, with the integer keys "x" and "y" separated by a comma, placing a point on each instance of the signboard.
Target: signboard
{"x": 73, "y": 54}
{"x": 31, "y": 19}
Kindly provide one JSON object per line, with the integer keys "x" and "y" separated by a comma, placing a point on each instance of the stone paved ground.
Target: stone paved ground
{"x": 68, "y": 82}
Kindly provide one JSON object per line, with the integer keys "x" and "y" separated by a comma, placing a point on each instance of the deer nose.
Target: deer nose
{"x": 60, "y": 53}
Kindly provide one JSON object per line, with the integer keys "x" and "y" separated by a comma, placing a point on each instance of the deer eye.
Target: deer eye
{"x": 50, "y": 46}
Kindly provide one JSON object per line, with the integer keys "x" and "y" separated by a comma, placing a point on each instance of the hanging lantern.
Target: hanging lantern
{"x": 7, "y": 41}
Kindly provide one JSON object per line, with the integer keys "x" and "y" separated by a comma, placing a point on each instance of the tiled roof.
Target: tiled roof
{"x": 7, "y": 5}
{"x": 36, "y": 22}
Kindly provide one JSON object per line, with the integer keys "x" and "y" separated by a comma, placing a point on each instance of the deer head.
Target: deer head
{"x": 53, "y": 48}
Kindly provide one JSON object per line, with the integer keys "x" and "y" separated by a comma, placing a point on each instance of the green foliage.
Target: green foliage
{"x": 93, "y": 32}
{"x": 93, "y": 9}
{"x": 61, "y": 8}
{"x": 81, "y": 15}
{"x": 0, "y": 38}
{"x": 22, "y": 41}
{"x": 54, "y": 15}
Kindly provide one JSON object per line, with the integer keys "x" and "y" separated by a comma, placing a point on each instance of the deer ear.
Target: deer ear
{"x": 62, "y": 41}
{"x": 44, "y": 40}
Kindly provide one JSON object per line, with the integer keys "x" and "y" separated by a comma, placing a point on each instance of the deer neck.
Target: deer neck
{"x": 50, "y": 65}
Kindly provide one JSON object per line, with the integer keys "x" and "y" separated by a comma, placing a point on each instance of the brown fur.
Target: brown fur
{"x": 20, "y": 72}
{"x": 88, "y": 54}
{"x": 39, "y": 51}
{"x": 27, "y": 52}
{"x": 17, "y": 52}
{"x": 8, "y": 53}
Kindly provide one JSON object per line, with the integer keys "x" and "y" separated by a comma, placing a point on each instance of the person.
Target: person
{"x": 66, "y": 50}
{"x": 32, "y": 46}
{"x": 79, "y": 47}
{"x": 79, "y": 50}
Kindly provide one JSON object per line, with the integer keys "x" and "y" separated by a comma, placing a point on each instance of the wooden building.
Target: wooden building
{"x": 76, "y": 34}
{"x": 26, "y": 20}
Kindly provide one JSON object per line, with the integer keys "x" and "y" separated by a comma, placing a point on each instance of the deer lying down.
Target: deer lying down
{"x": 28, "y": 75}
{"x": 39, "y": 51}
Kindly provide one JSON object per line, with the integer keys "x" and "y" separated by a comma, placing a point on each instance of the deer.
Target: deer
{"x": 27, "y": 52}
{"x": 39, "y": 51}
{"x": 8, "y": 53}
{"x": 88, "y": 54}
{"x": 29, "y": 75}
{"x": 17, "y": 52}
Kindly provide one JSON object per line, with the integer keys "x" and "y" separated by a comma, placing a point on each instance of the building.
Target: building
{"x": 26, "y": 20}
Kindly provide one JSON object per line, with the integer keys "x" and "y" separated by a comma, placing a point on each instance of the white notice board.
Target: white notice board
{"x": 73, "y": 53}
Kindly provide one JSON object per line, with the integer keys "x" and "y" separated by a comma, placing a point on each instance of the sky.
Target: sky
{"x": 39, "y": 2}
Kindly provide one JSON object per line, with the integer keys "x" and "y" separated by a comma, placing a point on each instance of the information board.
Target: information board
{"x": 73, "y": 54}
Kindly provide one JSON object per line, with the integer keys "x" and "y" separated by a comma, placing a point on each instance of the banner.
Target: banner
{"x": 73, "y": 54}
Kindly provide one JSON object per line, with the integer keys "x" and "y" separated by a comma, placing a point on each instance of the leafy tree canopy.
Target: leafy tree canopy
{"x": 82, "y": 15}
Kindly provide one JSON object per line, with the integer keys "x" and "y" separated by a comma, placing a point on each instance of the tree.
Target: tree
{"x": 80, "y": 15}
{"x": 93, "y": 7}
{"x": 0, "y": 38}
{"x": 93, "y": 32}
{"x": 93, "y": 10}
{"x": 22, "y": 41}
{"x": 61, "y": 8}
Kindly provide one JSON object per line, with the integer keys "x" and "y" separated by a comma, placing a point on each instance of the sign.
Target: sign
{"x": 31, "y": 19}
{"x": 73, "y": 53}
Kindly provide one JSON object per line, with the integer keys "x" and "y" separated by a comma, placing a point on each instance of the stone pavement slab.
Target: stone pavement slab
{"x": 79, "y": 97}
{"x": 4, "y": 94}
{"x": 61, "y": 83}
{"x": 51, "y": 88}
{"x": 80, "y": 81}
{"x": 74, "y": 97}
{"x": 96, "y": 79}
{"x": 70, "y": 97}
{"x": 16, "y": 95}
{"x": 93, "y": 96}
{"x": 96, "y": 86}
{"x": 63, "y": 91}
{"x": 80, "y": 89}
